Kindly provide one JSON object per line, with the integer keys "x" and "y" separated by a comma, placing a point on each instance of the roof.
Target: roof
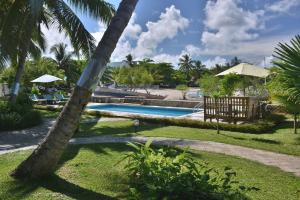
{"x": 247, "y": 69}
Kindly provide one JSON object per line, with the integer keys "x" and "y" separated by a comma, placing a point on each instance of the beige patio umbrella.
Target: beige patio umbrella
{"x": 247, "y": 69}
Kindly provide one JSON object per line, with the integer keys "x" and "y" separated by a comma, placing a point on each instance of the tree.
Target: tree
{"x": 129, "y": 60}
{"x": 63, "y": 60}
{"x": 23, "y": 23}
{"x": 235, "y": 61}
{"x": 209, "y": 84}
{"x": 229, "y": 84}
{"x": 186, "y": 65}
{"x": 45, "y": 157}
{"x": 183, "y": 89}
{"x": 198, "y": 69}
{"x": 285, "y": 86}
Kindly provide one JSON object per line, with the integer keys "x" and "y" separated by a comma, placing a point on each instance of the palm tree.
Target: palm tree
{"x": 198, "y": 69}
{"x": 186, "y": 65}
{"x": 287, "y": 87}
{"x": 63, "y": 60}
{"x": 129, "y": 60}
{"x": 45, "y": 157}
{"x": 26, "y": 17}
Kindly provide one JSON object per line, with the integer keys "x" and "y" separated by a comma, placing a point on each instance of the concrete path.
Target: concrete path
{"x": 20, "y": 141}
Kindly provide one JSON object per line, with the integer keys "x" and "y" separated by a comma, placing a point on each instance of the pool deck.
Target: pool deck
{"x": 194, "y": 116}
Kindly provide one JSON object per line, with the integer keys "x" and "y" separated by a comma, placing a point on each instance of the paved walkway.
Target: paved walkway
{"x": 286, "y": 163}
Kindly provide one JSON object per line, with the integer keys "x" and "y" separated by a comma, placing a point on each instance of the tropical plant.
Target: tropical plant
{"x": 173, "y": 174}
{"x": 24, "y": 20}
{"x": 209, "y": 84}
{"x": 63, "y": 60}
{"x": 288, "y": 77}
{"x": 44, "y": 158}
{"x": 229, "y": 84}
{"x": 186, "y": 65}
{"x": 183, "y": 89}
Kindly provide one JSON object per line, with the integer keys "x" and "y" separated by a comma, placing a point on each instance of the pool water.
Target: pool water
{"x": 139, "y": 109}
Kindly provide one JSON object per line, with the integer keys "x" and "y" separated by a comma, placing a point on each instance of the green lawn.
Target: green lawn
{"x": 92, "y": 172}
{"x": 282, "y": 140}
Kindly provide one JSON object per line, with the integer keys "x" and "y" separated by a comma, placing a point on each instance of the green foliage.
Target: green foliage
{"x": 209, "y": 84}
{"x": 171, "y": 174}
{"x": 229, "y": 84}
{"x": 35, "y": 90}
{"x": 183, "y": 89}
{"x": 134, "y": 77}
{"x": 19, "y": 115}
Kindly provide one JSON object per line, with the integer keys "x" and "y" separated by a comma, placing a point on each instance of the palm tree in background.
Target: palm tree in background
{"x": 63, "y": 60}
{"x": 129, "y": 60}
{"x": 45, "y": 157}
{"x": 186, "y": 65}
{"x": 198, "y": 69}
{"x": 24, "y": 19}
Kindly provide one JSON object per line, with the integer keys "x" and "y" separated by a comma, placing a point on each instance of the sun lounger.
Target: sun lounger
{"x": 61, "y": 97}
{"x": 50, "y": 99}
{"x": 36, "y": 99}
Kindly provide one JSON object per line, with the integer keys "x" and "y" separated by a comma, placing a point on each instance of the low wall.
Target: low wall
{"x": 153, "y": 102}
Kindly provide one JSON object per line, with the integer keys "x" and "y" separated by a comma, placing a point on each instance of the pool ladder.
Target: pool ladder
{"x": 198, "y": 107}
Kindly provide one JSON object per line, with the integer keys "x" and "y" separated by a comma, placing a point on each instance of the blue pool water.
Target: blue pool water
{"x": 138, "y": 109}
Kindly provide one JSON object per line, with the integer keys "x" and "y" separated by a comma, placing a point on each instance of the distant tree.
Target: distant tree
{"x": 186, "y": 65}
{"x": 183, "y": 89}
{"x": 179, "y": 77}
{"x": 129, "y": 60}
{"x": 63, "y": 60}
{"x": 235, "y": 61}
{"x": 198, "y": 69}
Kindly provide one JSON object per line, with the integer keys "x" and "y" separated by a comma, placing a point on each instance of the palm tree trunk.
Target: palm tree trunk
{"x": 45, "y": 157}
{"x": 20, "y": 70}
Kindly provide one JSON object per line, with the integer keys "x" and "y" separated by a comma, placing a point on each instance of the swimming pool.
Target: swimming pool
{"x": 145, "y": 110}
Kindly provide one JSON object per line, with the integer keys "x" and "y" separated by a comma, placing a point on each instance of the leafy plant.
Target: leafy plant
{"x": 183, "y": 89}
{"x": 171, "y": 174}
{"x": 209, "y": 84}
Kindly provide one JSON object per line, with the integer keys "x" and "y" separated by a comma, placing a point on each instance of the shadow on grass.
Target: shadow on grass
{"x": 54, "y": 183}
{"x": 126, "y": 130}
{"x": 266, "y": 141}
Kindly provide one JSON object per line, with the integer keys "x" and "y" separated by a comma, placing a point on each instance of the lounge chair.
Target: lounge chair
{"x": 61, "y": 97}
{"x": 50, "y": 99}
{"x": 36, "y": 99}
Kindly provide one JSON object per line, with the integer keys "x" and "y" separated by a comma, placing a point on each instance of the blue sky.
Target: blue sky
{"x": 213, "y": 31}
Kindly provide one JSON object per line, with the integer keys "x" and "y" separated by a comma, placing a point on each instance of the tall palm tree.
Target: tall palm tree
{"x": 27, "y": 16}
{"x": 63, "y": 60}
{"x": 45, "y": 157}
{"x": 186, "y": 65}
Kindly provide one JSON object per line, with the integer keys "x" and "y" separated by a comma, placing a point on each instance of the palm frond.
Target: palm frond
{"x": 98, "y": 9}
{"x": 71, "y": 24}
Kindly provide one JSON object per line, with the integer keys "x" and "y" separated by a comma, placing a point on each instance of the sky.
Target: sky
{"x": 213, "y": 31}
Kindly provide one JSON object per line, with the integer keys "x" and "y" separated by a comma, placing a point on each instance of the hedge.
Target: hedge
{"x": 261, "y": 126}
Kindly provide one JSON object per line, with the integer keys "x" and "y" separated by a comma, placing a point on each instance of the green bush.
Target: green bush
{"x": 19, "y": 115}
{"x": 170, "y": 174}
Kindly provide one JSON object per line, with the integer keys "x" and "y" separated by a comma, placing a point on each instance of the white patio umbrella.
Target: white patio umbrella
{"x": 46, "y": 78}
{"x": 246, "y": 69}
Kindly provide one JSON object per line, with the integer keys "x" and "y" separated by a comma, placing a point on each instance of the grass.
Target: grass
{"x": 92, "y": 172}
{"x": 282, "y": 140}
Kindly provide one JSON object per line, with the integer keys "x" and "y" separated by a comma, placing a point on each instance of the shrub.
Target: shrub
{"x": 170, "y": 174}
{"x": 19, "y": 115}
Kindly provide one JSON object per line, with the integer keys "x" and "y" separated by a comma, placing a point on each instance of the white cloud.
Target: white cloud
{"x": 167, "y": 27}
{"x": 212, "y": 62}
{"x": 227, "y": 25}
{"x": 283, "y": 5}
